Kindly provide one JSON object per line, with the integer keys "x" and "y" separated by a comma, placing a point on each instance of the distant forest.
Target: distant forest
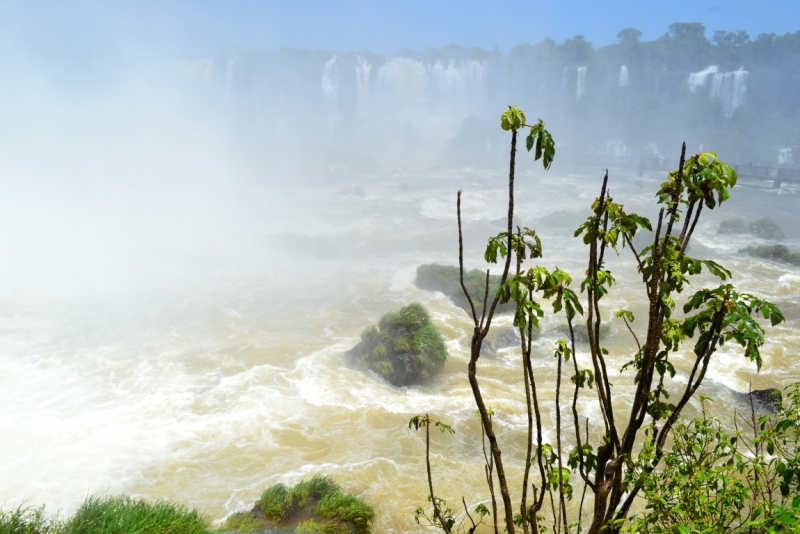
{"x": 655, "y": 101}
{"x": 737, "y": 95}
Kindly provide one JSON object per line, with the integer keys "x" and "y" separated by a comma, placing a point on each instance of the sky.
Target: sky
{"x": 206, "y": 27}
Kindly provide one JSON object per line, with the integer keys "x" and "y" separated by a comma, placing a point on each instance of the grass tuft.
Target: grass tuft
{"x": 316, "y": 527}
{"x": 275, "y": 502}
{"x": 27, "y": 521}
{"x": 346, "y": 507}
{"x": 242, "y": 522}
{"x": 123, "y": 515}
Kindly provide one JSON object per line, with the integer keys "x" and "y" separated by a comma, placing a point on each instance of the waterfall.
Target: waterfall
{"x": 623, "y": 77}
{"x": 699, "y": 79}
{"x": 449, "y": 87}
{"x": 363, "y": 71}
{"x": 330, "y": 86}
{"x": 731, "y": 87}
{"x": 580, "y": 80}
{"x": 581, "y": 85}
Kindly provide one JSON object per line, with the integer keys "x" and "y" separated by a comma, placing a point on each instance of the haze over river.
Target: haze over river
{"x": 217, "y": 380}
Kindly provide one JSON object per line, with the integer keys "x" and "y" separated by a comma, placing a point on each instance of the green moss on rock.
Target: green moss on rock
{"x": 775, "y": 253}
{"x": 404, "y": 348}
{"x": 445, "y": 278}
{"x": 764, "y": 228}
{"x": 317, "y": 506}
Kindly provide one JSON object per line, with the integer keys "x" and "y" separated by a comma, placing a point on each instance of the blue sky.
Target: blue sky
{"x": 202, "y": 27}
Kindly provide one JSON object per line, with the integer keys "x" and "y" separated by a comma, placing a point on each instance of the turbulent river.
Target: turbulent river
{"x": 222, "y": 381}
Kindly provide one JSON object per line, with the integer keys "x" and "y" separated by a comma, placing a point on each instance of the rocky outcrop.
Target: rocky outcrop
{"x": 445, "y": 278}
{"x": 404, "y": 347}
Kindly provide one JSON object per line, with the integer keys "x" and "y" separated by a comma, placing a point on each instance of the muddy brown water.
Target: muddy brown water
{"x": 227, "y": 381}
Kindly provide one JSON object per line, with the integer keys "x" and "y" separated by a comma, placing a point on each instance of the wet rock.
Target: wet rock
{"x": 404, "y": 347}
{"x": 768, "y": 400}
{"x": 445, "y": 278}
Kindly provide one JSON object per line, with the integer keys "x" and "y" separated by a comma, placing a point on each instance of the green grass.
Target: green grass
{"x": 279, "y": 503}
{"x": 320, "y": 527}
{"x": 27, "y": 520}
{"x": 242, "y": 522}
{"x": 348, "y": 508}
{"x": 123, "y": 515}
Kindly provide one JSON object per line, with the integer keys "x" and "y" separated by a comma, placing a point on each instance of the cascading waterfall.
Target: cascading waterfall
{"x": 581, "y": 85}
{"x": 363, "y": 71}
{"x": 330, "y": 85}
{"x": 580, "y": 80}
{"x": 408, "y": 82}
{"x": 699, "y": 79}
{"x": 730, "y": 87}
{"x": 623, "y": 81}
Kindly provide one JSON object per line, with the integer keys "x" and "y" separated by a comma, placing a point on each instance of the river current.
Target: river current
{"x": 223, "y": 380}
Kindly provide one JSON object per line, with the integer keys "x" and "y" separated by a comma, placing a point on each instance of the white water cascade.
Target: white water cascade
{"x": 731, "y": 87}
{"x": 330, "y": 88}
{"x": 363, "y": 71}
{"x": 623, "y": 81}
{"x": 580, "y": 80}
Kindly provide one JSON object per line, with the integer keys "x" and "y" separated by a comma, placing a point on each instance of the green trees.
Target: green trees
{"x": 607, "y": 459}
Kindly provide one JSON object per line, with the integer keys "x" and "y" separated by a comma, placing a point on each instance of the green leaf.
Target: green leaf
{"x": 512, "y": 119}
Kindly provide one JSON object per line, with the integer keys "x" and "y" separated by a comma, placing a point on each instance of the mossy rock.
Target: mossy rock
{"x": 404, "y": 348}
{"x": 733, "y": 225}
{"x": 774, "y": 252}
{"x": 765, "y": 228}
{"x": 317, "y": 506}
{"x": 446, "y": 278}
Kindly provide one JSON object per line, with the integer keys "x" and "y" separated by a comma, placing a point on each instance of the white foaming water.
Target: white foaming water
{"x": 234, "y": 380}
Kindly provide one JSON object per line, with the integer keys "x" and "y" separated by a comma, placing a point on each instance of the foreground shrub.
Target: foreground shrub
{"x": 721, "y": 482}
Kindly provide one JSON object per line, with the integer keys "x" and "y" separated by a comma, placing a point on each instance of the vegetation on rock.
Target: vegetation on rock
{"x": 404, "y": 348}
{"x": 774, "y": 252}
{"x": 317, "y": 506}
{"x": 446, "y": 278}
{"x": 764, "y": 228}
{"x": 109, "y": 515}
